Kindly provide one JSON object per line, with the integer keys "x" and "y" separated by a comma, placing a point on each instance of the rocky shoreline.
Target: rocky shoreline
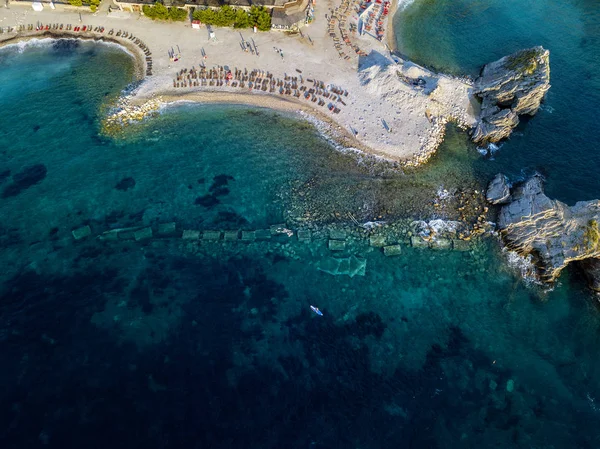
{"x": 512, "y": 86}
{"x": 548, "y": 232}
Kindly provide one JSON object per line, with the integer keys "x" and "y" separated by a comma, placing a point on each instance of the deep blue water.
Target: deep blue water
{"x": 169, "y": 343}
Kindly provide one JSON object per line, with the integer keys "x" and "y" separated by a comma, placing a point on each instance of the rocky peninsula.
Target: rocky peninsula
{"x": 550, "y": 232}
{"x": 512, "y": 86}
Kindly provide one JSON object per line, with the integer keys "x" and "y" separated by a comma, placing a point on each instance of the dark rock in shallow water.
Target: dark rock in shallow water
{"x": 36, "y": 128}
{"x": 26, "y": 178}
{"x": 125, "y": 184}
{"x": 206, "y": 201}
{"x": 220, "y": 182}
{"x": 65, "y": 47}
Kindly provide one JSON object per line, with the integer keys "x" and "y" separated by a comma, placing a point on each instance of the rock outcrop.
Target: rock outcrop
{"x": 498, "y": 191}
{"x": 549, "y": 230}
{"x": 512, "y": 86}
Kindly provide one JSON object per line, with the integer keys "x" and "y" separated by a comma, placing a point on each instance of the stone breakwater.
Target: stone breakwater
{"x": 339, "y": 248}
{"x": 126, "y": 112}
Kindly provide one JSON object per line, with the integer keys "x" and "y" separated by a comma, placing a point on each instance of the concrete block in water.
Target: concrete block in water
{"x": 349, "y": 266}
{"x": 113, "y": 234}
{"x": 418, "y": 242}
{"x": 248, "y": 236}
{"x": 211, "y": 235}
{"x": 392, "y": 250}
{"x": 377, "y": 241}
{"x": 263, "y": 234}
{"x": 304, "y": 235}
{"x": 167, "y": 228}
{"x": 280, "y": 229}
{"x": 337, "y": 245}
{"x": 510, "y": 385}
{"x": 143, "y": 234}
{"x": 461, "y": 245}
{"x": 337, "y": 234}
{"x": 81, "y": 233}
{"x": 190, "y": 234}
{"x": 128, "y": 233}
{"x": 231, "y": 236}
{"x": 441, "y": 243}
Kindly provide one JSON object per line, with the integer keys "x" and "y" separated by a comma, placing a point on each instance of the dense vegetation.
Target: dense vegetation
{"x": 93, "y": 3}
{"x": 161, "y": 12}
{"x": 227, "y": 16}
{"x": 524, "y": 62}
{"x": 591, "y": 235}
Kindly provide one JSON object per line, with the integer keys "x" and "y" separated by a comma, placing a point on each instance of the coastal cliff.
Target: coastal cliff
{"x": 512, "y": 86}
{"x": 553, "y": 233}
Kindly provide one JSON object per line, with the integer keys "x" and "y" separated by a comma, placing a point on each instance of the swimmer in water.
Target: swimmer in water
{"x": 316, "y": 310}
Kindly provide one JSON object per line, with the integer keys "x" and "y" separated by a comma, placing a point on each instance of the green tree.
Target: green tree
{"x": 263, "y": 22}
{"x": 207, "y": 16}
{"x": 75, "y": 2}
{"x": 241, "y": 19}
{"x": 225, "y": 16}
{"x": 261, "y": 17}
{"x": 147, "y": 10}
{"x": 158, "y": 11}
{"x": 253, "y": 14}
{"x": 161, "y": 12}
{"x": 178, "y": 14}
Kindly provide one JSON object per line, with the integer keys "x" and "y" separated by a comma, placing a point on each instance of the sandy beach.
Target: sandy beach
{"x": 379, "y": 109}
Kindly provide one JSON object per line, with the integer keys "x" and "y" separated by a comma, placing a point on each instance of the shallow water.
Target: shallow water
{"x": 169, "y": 343}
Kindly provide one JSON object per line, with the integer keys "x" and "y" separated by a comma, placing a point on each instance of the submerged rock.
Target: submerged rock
{"x": 553, "y": 233}
{"x": 26, "y": 178}
{"x": 498, "y": 191}
{"x": 512, "y": 86}
{"x": 65, "y": 47}
{"x": 125, "y": 184}
{"x": 350, "y": 266}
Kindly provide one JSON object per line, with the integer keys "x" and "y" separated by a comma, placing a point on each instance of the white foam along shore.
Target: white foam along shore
{"x": 380, "y": 108}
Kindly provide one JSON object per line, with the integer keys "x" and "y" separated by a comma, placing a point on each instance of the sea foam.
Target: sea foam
{"x": 403, "y": 4}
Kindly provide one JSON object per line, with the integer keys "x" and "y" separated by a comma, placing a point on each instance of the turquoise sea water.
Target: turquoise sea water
{"x": 460, "y": 36}
{"x": 169, "y": 343}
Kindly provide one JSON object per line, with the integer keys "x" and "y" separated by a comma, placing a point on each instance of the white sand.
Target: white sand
{"x": 375, "y": 93}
